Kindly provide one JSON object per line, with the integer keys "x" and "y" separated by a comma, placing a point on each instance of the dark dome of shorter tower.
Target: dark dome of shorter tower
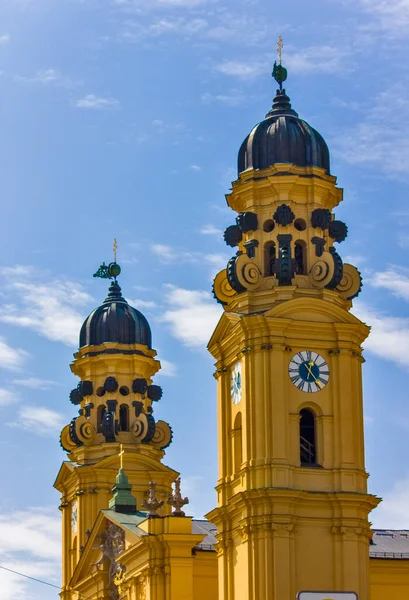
{"x": 283, "y": 138}
{"x": 115, "y": 321}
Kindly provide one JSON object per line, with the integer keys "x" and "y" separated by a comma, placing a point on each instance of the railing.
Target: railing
{"x": 307, "y": 451}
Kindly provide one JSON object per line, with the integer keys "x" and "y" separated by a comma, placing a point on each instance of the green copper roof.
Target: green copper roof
{"x": 122, "y": 500}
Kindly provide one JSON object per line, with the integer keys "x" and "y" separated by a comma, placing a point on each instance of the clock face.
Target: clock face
{"x": 74, "y": 516}
{"x": 308, "y": 371}
{"x": 235, "y": 385}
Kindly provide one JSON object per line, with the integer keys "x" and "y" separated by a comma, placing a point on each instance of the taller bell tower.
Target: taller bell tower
{"x": 115, "y": 396}
{"x": 292, "y": 501}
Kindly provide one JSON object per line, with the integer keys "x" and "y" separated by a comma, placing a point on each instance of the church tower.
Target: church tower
{"x": 292, "y": 501}
{"x": 115, "y": 396}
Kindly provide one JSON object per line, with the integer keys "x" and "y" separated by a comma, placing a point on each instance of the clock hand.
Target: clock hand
{"x": 312, "y": 374}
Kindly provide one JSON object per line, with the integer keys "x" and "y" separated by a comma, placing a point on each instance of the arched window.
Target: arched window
{"x": 269, "y": 258}
{"x": 237, "y": 444}
{"x": 300, "y": 258}
{"x": 124, "y": 417}
{"x": 100, "y": 417}
{"x": 308, "y": 454}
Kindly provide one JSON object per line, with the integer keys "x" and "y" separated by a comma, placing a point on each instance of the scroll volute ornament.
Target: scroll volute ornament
{"x": 351, "y": 283}
{"x": 248, "y": 273}
{"x": 222, "y": 290}
{"x": 322, "y": 271}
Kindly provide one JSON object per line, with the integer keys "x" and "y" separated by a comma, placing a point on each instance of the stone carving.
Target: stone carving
{"x": 112, "y": 543}
{"x": 177, "y": 501}
{"x": 233, "y": 235}
{"x": 284, "y": 215}
{"x": 321, "y": 217}
{"x": 151, "y": 503}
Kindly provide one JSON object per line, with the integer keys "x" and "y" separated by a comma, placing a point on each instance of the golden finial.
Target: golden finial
{"x": 115, "y": 249}
{"x": 280, "y": 46}
{"x": 121, "y": 456}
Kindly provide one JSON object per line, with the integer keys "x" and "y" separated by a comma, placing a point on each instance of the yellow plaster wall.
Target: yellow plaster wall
{"x": 389, "y": 579}
{"x": 205, "y": 576}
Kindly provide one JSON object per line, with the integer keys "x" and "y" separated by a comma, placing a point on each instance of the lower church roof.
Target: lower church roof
{"x": 388, "y": 543}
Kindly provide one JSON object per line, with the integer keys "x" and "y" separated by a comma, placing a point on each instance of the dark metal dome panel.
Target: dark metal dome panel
{"x": 115, "y": 321}
{"x": 283, "y": 138}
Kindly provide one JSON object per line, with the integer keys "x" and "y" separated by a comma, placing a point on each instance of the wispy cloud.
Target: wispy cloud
{"x": 192, "y": 316}
{"x": 211, "y": 230}
{"x": 93, "y": 102}
{"x": 392, "y": 513}
{"x": 51, "y": 77}
{"x": 376, "y": 141}
{"x": 243, "y": 70}
{"x": 168, "y": 254}
{"x": 4, "y": 39}
{"x": 169, "y": 369}
{"x": 39, "y": 420}
{"x": 11, "y": 358}
{"x": 52, "y": 309}
{"x": 389, "y": 336}
{"x": 30, "y": 542}
{"x": 34, "y": 383}
{"x": 388, "y": 15}
{"x": 7, "y": 397}
{"x": 233, "y": 98}
{"x": 395, "y": 280}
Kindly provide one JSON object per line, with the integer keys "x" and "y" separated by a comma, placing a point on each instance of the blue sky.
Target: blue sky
{"x": 123, "y": 118}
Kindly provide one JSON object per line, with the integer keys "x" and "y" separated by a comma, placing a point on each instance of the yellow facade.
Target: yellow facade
{"x": 292, "y": 508}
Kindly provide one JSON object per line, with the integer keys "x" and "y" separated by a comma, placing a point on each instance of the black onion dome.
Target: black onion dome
{"x": 115, "y": 321}
{"x": 283, "y": 138}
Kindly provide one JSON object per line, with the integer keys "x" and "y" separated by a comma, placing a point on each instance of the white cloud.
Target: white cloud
{"x": 395, "y": 281}
{"x": 168, "y": 369}
{"x": 142, "y": 304}
{"x": 4, "y": 39}
{"x": 392, "y": 513}
{"x": 49, "y": 77}
{"x": 169, "y": 255}
{"x": 39, "y": 420}
{"x": 211, "y": 230}
{"x": 30, "y": 543}
{"x": 50, "y": 309}
{"x": 34, "y": 383}
{"x": 389, "y": 337}
{"x": 195, "y": 168}
{"x": 11, "y": 358}
{"x": 7, "y": 397}
{"x": 233, "y": 99}
{"x": 243, "y": 70}
{"x": 318, "y": 59}
{"x": 92, "y": 102}
{"x": 192, "y": 317}
{"x": 373, "y": 140}
{"x": 391, "y": 15}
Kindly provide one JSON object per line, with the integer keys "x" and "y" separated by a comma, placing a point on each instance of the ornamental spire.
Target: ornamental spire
{"x": 279, "y": 72}
{"x": 111, "y": 271}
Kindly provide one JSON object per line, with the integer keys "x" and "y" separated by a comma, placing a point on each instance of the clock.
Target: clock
{"x": 308, "y": 371}
{"x": 74, "y": 517}
{"x": 235, "y": 384}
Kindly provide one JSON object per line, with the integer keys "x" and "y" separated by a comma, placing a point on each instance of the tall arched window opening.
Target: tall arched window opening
{"x": 124, "y": 417}
{"x": 269, "y": 258}
{"x": 308, "y": 450}
{"x": 237, "y": 443}
{"x": 300, "y": 258}
{"x": 100, "y": 417}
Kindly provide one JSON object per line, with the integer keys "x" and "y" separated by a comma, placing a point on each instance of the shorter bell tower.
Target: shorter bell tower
{"x": 115, "y": 426}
